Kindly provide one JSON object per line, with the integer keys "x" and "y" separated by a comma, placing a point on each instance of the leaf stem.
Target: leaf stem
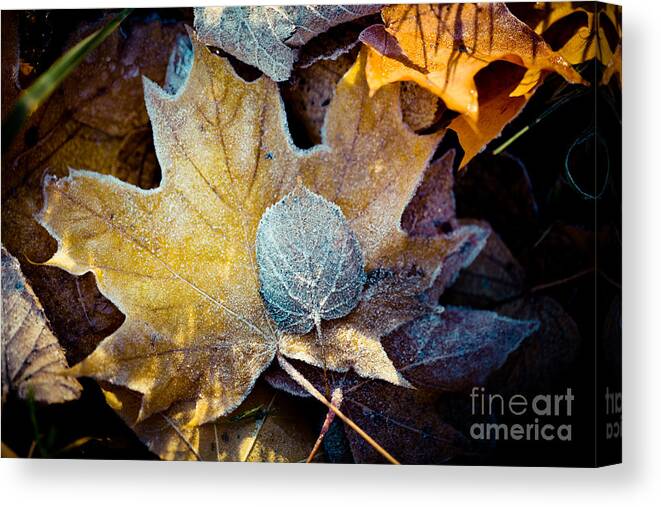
{"x": 562, "y": 281}
{"x": 320, "y": 343}
{"x": 307, "y": 385}
{"x": 336, "y": 400}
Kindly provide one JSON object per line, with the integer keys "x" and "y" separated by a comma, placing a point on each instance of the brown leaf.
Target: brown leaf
{"x": 405, "y": 422}
{"x": 549, "y": 352}
{"x": 334, "y": 43}
{"x": 309, "y": 91}
{"x": 432, "y": 209}
{"x": 421, "y": 109}
{"x": 389, "y": 299}
{"x": 432, "y": 212}
{"x": 580, "y": 31}
{"x": 308, "y": 94}
{"x": 32, "y": 360}
{"x": 449, "y": 349}
{"x": 494, "y": 278}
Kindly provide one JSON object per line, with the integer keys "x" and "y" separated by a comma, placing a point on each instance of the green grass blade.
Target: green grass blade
{"x": 48, "y": 82}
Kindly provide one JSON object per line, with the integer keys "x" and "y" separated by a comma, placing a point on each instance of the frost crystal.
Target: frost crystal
{"x": 310, "y": 263}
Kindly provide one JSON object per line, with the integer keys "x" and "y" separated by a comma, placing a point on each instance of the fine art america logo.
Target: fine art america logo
{"x": 543, "y": 417}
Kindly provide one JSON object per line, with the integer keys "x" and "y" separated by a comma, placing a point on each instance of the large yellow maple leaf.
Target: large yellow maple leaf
{"x": 179, "y": 260}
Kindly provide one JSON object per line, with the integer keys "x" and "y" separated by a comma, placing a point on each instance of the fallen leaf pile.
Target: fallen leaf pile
{"x": 192, "y": 313}
{"x": 176, "y": 271}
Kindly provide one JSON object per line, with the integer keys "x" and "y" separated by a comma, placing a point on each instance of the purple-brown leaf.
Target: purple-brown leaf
{"x": 457, "y": 348}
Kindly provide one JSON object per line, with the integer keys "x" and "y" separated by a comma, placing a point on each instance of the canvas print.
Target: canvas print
{"x": 324, "y": 233}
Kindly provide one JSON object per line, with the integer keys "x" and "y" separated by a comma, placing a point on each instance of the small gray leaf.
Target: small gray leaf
{"x": 310, "y": 263}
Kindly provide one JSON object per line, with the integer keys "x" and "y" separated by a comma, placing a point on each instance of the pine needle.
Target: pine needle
{"x": 307, "y": 385}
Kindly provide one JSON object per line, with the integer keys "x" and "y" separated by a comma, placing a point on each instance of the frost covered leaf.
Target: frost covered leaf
{"x": 338, "y": 41}
{"x": 309, "y": 92}
{"x": 310, "y": 263}
{"x": 267, "y": 36}
{"x": 432, "y": 212}
{"x": 445, "y": 47}
{"x": 98, "y": 117}
{"x": 105, "y": 92}
{"x": 179, "y": 64}
{"x": 456, "y": 348}
{"x": 32, "y": 360}
{"x": 448, "y": 350}
{"x": 421, "y": 109}
{"x": 432, "y": 208}
{"x": 354, "y": 342}
{"x": 266, "y": 427}
{"x": 179, "y": 260}
{"x": 493, "y": 279}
